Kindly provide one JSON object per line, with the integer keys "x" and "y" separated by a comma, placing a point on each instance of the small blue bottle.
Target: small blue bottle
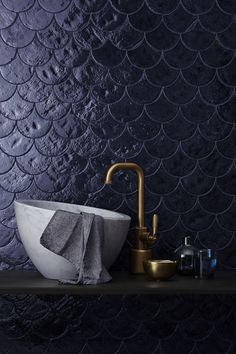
{"x": 185, "y": 255}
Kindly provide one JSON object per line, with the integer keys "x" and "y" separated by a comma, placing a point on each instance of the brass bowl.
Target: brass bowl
{"x": 160, "y": 269}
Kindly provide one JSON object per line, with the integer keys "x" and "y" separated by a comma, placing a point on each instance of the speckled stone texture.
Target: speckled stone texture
{"x": 87, "y": 83}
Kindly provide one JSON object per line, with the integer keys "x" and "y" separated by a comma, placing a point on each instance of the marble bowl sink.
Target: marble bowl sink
{"x": 32, "y": 217}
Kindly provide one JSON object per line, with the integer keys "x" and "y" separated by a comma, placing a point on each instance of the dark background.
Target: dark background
{"x": 84, "y": 84}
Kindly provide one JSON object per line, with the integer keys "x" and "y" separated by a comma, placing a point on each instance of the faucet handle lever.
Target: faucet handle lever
{"x": 154, "y": 224}
{"x": 152, "y": 236}
{"x": 149, "y": 237}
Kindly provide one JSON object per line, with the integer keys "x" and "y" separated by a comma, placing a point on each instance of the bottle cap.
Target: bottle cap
{"x": 187, "y": 240}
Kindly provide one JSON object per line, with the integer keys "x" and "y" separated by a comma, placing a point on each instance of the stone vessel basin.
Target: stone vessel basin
{"x": 32, "y": 217}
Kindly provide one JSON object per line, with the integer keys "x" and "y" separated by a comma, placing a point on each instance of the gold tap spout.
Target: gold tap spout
{"x": 139, "y": 171}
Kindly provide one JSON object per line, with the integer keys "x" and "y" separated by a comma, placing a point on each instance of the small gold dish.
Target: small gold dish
{"x": 160, "y": 269}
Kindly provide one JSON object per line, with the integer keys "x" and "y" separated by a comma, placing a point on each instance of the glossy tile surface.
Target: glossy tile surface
{"x": 84, "y": 84}
{"x": 117, "y": 324}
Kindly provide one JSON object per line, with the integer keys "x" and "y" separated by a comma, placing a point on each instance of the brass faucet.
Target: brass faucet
{"x": 144, "y": 239}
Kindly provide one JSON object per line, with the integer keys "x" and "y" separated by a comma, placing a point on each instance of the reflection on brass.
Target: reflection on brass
{"x": 154, "y": 224}
{"x": 143, "y": 239}
{"x": 137, "y": 257}
{"x": 160, "y": 269}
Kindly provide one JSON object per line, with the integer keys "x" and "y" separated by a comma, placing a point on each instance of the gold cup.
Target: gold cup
{"x": 160, "y": 269}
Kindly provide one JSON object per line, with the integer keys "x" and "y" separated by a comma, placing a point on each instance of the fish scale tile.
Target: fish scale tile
{"x": 84, "y": 84}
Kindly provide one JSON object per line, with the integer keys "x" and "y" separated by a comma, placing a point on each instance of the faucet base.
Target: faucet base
{"x": 136, "y": 260}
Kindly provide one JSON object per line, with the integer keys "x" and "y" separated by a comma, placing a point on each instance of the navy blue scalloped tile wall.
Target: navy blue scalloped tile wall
{"x": 117, "y": 325}
{"x": 84, "y": 84}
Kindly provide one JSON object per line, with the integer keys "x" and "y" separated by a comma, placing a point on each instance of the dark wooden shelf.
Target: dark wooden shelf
{"x": 30, "y": 282}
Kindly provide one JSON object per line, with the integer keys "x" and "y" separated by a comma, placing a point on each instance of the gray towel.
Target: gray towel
{"x": 79, "y": 238}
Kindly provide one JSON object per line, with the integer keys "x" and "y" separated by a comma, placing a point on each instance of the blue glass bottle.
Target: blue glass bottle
{"x": 185, "y": 256}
